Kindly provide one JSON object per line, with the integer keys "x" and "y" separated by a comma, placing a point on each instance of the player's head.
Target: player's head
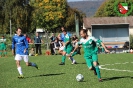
{"x": 65, "y": 32}
{"x": 2, "y": 37}
{"x": 83, "y": 33}
{"x": 18, "y": 31}
{"x": 62, "y": 28}
{"x": 37, "y": 34}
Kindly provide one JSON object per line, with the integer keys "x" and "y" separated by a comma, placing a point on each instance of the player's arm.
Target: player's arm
{"x": 13, "y": 45}
{"x": 76, "y": 47}
{"x": 106, "y": 50}
{"x": 26, "y": 44}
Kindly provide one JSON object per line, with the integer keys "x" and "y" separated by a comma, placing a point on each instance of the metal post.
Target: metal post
{"x": 77, "y": 25}
{"x": 10, "y": 25}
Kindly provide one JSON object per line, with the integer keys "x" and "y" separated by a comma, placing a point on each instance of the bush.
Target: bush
{"x": 131, "y": 41}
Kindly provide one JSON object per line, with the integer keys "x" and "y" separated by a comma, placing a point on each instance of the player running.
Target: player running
{"x": 90, "y": 52}
{"x": 67, "y": 49}
{"x": 20, "y": 43}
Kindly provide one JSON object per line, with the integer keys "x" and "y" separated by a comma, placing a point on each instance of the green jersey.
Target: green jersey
{"x": 89, "y": 46}
{"x": 2, "y": 42}
{"x": 67, "y": 39}
{"x": 98, "y": 42}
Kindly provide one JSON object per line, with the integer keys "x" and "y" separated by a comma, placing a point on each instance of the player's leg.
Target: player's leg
{"x": 95, "y": 60}
{"x": 26, "y": 60}
{"x": 71, "y": 57}
{"x": 89, "y": 63}
{"x": 0, "y": 53}
{"x": 18, "y": 58}
{"x": 5, "y": 53}
{"x": 64, "y": 50}
{"x": 63, "y": 57}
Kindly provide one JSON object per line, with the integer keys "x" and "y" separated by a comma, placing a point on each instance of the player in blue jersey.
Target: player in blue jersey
{"x": 20, "y": 43}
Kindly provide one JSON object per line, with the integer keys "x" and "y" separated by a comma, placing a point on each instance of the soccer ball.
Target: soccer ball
{"x": 79, "y": 77}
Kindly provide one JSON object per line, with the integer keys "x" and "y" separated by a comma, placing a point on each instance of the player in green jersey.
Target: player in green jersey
{"x": 90, "y": 52}
{"x": 67, "y": 49}
{"x": 3, "y": 46}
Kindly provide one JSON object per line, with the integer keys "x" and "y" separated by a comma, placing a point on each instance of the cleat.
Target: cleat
{"x": 20, "y": 76}
{"x": 100, "y": 80}
{"x": 62, "y": 63}
{"x": 37, "y": 67}
{"x": 74, "y": 62}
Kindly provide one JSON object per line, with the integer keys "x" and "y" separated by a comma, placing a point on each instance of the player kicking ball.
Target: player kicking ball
{"x": 67, "y": 49}
{"x": 90, "y": 52}
{"x": 20, "y": 43}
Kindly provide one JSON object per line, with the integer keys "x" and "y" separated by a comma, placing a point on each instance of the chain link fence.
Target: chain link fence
{"x": 45, "y": 37}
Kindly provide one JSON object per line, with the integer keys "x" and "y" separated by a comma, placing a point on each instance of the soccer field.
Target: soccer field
{"x": 116, "y": 71}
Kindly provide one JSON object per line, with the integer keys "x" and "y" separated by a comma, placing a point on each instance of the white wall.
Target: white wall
{"x": 131, "y": 30}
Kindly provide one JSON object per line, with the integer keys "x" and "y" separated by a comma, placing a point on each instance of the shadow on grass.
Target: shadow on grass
{"x": 131, "y": 77}
{"x": 115, "y": 78}
{"x": 46, "y": 75}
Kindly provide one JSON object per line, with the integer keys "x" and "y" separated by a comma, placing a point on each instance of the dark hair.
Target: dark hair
{"x": 18, "y": 28}
{"x": 84, "y": 31}
{"x": 64, "y": 31}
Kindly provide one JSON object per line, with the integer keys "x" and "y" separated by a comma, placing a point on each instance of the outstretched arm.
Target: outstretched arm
{"x": 106, "y": 50}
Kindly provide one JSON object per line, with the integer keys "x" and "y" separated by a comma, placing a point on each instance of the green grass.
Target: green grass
{"x": 51, "y": 75}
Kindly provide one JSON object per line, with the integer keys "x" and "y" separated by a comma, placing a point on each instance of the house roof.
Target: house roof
{"x": 107, "y": 20}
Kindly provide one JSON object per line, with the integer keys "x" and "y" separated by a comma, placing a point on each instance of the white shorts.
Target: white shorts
{"x": 20, "y": 57}
{"x": 62, "y": 48}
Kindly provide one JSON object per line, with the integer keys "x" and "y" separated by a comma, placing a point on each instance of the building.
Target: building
{"x": 111, "y": 30}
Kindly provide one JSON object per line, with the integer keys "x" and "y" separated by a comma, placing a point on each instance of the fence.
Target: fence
{"x": 45, "y": 37}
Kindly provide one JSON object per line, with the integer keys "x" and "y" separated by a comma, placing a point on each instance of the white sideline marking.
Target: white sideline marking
{"x": 102, "y": 67}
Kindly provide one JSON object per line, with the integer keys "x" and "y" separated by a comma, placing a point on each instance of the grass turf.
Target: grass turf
{"x": 51, "y": 75}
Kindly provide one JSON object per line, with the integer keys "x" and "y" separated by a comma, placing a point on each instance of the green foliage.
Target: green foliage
{"x": 49, "y": 14}
{"x": 51, "y": 75}
{"x": 107, "y": 9}
{"x": 20, "y": 14}
{"x": 131, "y": 41}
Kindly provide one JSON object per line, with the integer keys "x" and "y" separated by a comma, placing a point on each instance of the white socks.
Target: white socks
{"x": 20, "y": 70}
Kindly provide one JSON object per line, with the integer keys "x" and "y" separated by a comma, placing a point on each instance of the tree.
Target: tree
{"x": 49, "y": 14}
{"x": 70, "y": 19}
{"x": 19, "y": 11}
{"x": 110, "y": 9}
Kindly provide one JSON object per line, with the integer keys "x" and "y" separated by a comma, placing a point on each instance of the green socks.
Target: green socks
{"x": 5, "y": 53}
{"x": 98, "y": 72}
{"x": 0, "y": 53}
{"x": 63, "y": 58}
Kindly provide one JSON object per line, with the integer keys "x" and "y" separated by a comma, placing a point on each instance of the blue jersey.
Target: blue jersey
{"x": 20, "y": 44}
{"x": 63, "y": 36}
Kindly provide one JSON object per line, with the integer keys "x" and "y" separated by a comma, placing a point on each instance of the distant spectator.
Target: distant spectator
{"x": 52, "y": 38}
{"x": 27, "y": 38}
{"x": 126, "y": 45}
{"x": 32, "y": 52}
{"x": 57, "y": 45}
{"x": 74, "y": 38}
{"x": 38, "y": 40}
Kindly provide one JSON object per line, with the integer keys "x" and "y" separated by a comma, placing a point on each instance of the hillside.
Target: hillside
{"x": 87, "y": 7}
